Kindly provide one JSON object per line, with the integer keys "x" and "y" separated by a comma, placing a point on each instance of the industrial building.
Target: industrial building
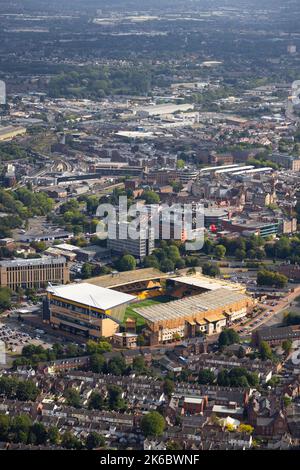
{"x": 33, "y": 273}
{"x": 85, "y": 309}
{"x": 163, "y": 109}
{"x": 206, "y": 313}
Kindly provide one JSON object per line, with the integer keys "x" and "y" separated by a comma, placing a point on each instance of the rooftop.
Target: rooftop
{"x": 32, "y": 262}
{"x": 205, "y": 303}
{"x": 127, "y": 277}
{"x": 277, "y": 333}
{"x": 208, "y": 283}
{"x": 91, "y": 295}
{"x": 193, "y": 400}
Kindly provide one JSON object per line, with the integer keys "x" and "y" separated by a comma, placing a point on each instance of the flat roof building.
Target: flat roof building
{"x": 33, "y": 273}
{"x": 86, "y": 309}
{"x": 163, "y": 109}
{"x": 138, "y": 247}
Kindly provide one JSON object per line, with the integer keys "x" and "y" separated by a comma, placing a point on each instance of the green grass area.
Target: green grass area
{"x": 130, "y": 310}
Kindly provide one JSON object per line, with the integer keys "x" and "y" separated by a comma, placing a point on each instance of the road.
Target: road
{"x": 276, "y": 312}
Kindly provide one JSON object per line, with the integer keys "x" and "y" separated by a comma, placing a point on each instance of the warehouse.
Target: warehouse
{"x": 206, "y": 313}
{"x": 163, "y": 109}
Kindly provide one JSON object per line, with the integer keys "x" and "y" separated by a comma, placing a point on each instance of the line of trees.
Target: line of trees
{"x": 21, "y": 429}
{"x": 271, "y": 279}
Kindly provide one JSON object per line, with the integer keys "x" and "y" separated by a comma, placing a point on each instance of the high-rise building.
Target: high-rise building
{"x": 139, "y": 247}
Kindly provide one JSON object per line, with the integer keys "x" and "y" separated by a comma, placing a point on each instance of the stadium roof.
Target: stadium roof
{"x": 127, "y": 277}
{"x": 203, "y": 303}
{"x": 91, "y": 296}
{"x": 207, "y": 283}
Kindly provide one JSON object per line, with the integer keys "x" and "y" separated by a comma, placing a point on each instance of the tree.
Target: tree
{"x": 237, "y": 377}
{"x": 53, "y": 435}
{"x": 20, "y": 428}
{"x": 69, "y": 441}
{"x": 151, "y": 262}
{"x": 206, "y": 377}
{"x": 240, "y": 254}
{"x": 98, "y": 348}
{"x": 26, "y": 391}
{"x": 173, "y": 445}
{"x": 223, "y": 379}
{"x": 210, "y": 269}
{"x": 38, "y": 434}
{"x": 116, "y": 365}
{"x": 153, "y": 424}
{"x": 287, "y": 346}
{"x": 177, "y": 186}
{"x": 39, "y": 246}
{"x": 241, "y": 352}
{"x": 180, "y": 164}
{"x": 272, "y": 279}
{"x": 97, "y": 363}
{"x": 167, "y": 265}
{"x": 286, "y": 401}
{"x": 227, "y": 337}
{"x": 96, "y": 401}
{"x": 138, "y": 364}
{"x": 72, "y": 397}
{"x": 151, "y": 197}
{"x": 4, "y": 427}
{"x": 94, "y": 440}
{"x": 173, "y": 253}
{"x": 220, "y": 251}
{"x": 140, "y": 340}
{"x": 292, "y": 318}
{"x": 246, "y": 428}
{"x": 5, "y": 298}
{"x": 265, "y": 351}
{"x": 92, "y": 203}
{"x": 168, "y": 387}
{"x": 86, "y": 271}
{"x": 127, "y": 263}
{"x": 115, "y": 399}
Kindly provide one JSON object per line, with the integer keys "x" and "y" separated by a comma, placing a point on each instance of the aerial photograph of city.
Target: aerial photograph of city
{"x": 149, "y": 228}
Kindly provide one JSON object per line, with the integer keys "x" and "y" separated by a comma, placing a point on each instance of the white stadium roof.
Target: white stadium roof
{"x": 91, "y": 295}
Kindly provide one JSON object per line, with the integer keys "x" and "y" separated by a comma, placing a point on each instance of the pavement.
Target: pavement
{"x": 276, "y": 312}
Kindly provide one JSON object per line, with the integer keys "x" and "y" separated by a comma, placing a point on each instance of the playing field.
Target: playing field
{"x": 130, "y": 311}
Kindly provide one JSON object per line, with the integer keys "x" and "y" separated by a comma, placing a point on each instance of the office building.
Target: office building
{"x": 139, "y": 248}
{"x": 33, "y": 273}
